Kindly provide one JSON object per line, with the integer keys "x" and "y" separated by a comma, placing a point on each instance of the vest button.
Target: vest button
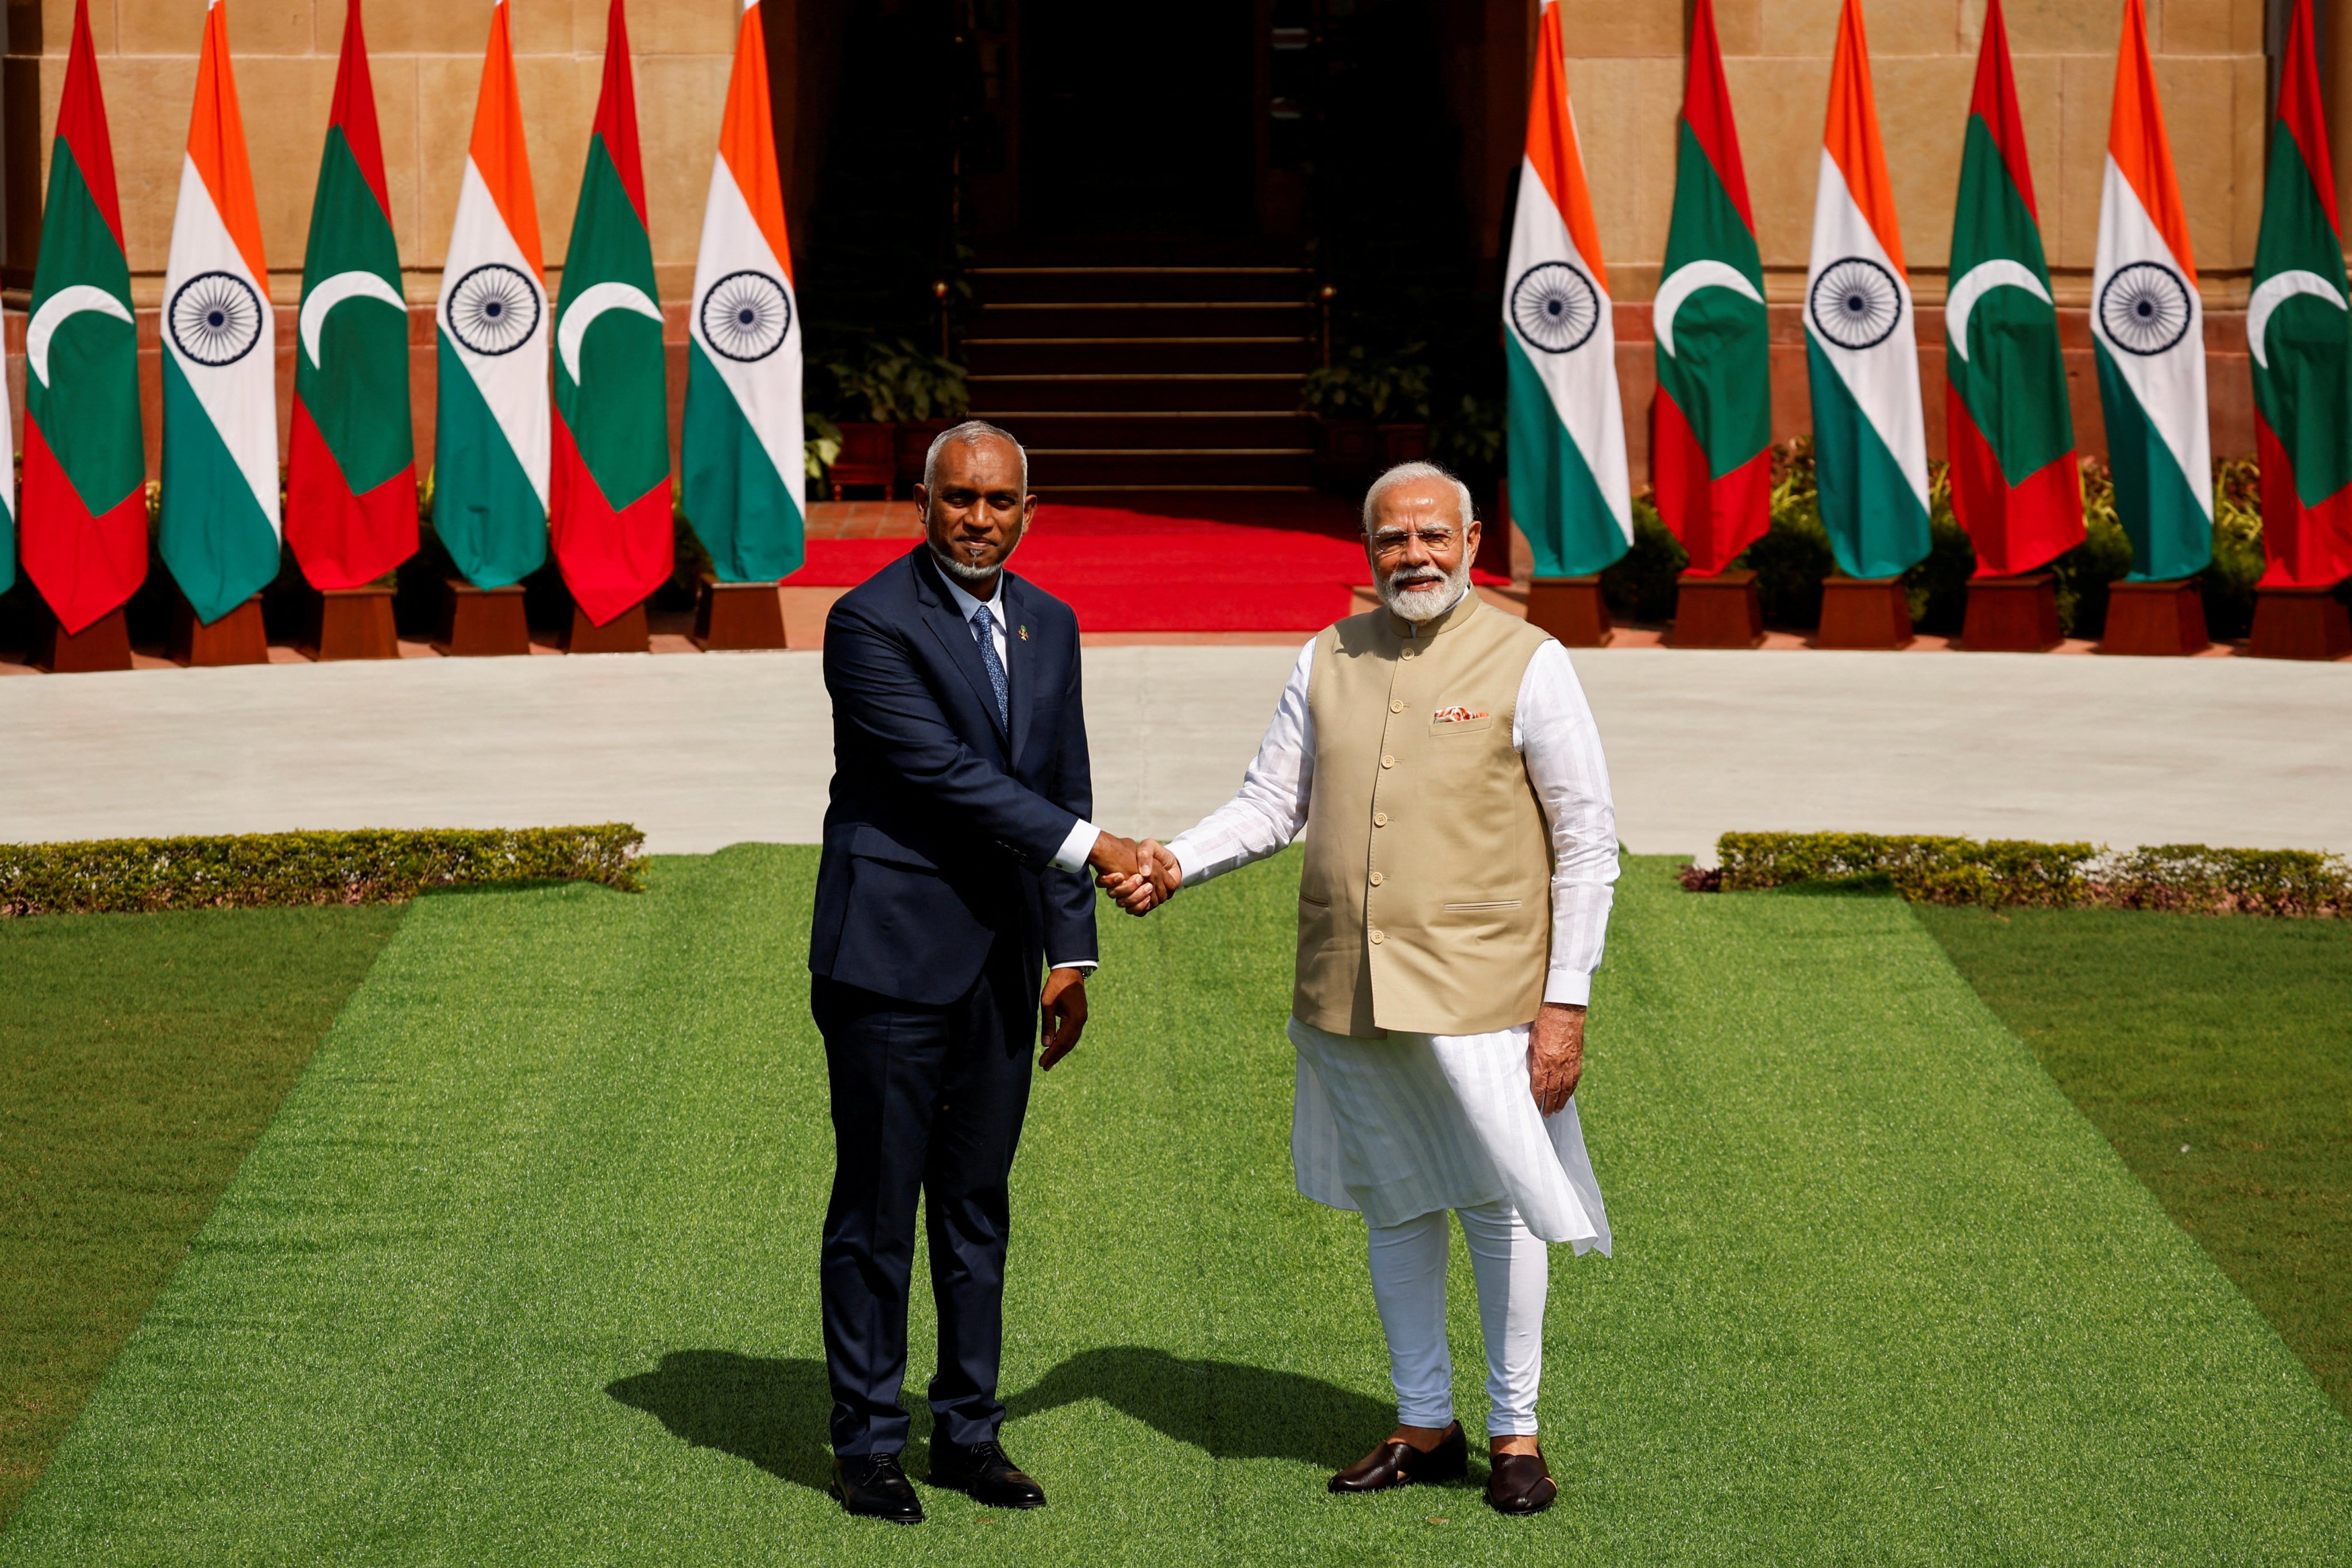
{"x": 1407, "y": 654}
{"x": 1379, "y": 819}
{"x": 1378, "y": 937}
{"x": 1387, "y": 761}
{"x": 1397, "y": 706}
{"x": 1378, "y": 878}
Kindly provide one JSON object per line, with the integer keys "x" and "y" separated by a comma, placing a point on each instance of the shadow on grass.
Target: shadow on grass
{"x": 773, "y": 1412}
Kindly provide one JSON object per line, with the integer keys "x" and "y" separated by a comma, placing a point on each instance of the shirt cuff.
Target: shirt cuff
{"x": 1088, "y": 964}
{"x": 1571, "y": 987}
{"x": 1072, "y": 856}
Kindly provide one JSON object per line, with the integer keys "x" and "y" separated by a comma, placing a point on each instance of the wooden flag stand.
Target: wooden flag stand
{"x": 624, "y": 633}
{"x": 236, "y": 639}
{"x": 1722, "y": 611}
{"x": 737, "y": 618}
{"x": 104, "y": 644}
{"x": 1863, "y": 613}
{"x": 1571, "y": 609}
{"x": 2011, "y": 615}
{"x": 351, "y": 623}
{"x": 483, "y": 623}
{"x": 2300, "y": 623}
{"x": 2156, "y": 619}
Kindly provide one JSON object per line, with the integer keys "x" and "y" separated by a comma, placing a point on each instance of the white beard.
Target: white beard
{"x": 1417, "y": 605}
{"x": 963, "y": 571}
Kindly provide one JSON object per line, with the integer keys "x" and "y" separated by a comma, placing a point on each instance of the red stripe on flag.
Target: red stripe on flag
{"x": 1994, "y": 101}
{"x": 83, "y": 565}
{"x": 616, "y": 112}
{"x": 342, "y": 540}
{"x": 1706, "y": 105}
{"x": 1716, "y": 518}
{"x": 2299, "y": 113}
{"x": 611, "y": 558}
{"x": 2308, "y": 546}
{"x": 353, "y": 109}
{"x": 81, "y": 125}
{"x": 2014, "y": 530}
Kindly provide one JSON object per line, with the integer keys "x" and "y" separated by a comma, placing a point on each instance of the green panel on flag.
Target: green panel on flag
{"x": 747, "y": 515}
{"x": 2013, "y": 377}
{"x": 497, "y": 533}
{"x": 212, "y": 534}
{"x": 2177, "y": 536}
{"x": 2306, "y": 392}
{"x": 362, "y": 340}
{"x": 88, "y": 406}
{"x": 1719, "y": 374}
{"x": 1876, "y": 526}
{"x": 620, "y": 430}
{"x": 1555, "y": 499}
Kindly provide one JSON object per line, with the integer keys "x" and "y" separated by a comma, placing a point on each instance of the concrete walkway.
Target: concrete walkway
{"x": 709, "y": 751}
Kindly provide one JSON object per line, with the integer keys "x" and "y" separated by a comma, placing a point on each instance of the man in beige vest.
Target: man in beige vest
{"x": 1460, "y": 851}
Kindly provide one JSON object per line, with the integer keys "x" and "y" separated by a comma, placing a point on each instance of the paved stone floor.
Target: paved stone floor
{"x": 705, "y": 751}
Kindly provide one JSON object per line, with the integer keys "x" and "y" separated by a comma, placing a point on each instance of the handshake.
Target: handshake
{"x": 1140, "y": 877}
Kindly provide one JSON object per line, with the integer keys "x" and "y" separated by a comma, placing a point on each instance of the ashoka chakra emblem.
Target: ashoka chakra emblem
{"x": 2145, "y": 308}
{"x": 216, "y": 318}
{"x": 746, "y": 315}
{"x": 1554, "y": 307}
{"x": 1854, "y": 304}
{"x": 494, "y": 309}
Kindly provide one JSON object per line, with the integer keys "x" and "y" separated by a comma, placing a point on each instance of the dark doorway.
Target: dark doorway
{"x": 1137, "y": 120}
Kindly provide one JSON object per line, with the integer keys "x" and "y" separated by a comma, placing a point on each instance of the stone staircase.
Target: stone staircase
{"x": 1135, "y": 371}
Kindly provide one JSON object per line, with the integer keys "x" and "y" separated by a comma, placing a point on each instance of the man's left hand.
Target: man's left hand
{"x": 1064, "y": 1003}
{"x": 1555, "y": 1054}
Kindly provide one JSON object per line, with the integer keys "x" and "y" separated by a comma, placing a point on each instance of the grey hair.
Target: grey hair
{"x": 972, "y": 432}
{"x": 1409, "y": 473}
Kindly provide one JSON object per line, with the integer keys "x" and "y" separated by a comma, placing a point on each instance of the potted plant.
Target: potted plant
{"x": 1373, "y": 411}
{"x": 886, "y": 386}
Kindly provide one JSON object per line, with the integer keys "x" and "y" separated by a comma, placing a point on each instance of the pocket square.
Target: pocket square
{"x": 1455, "y": 715}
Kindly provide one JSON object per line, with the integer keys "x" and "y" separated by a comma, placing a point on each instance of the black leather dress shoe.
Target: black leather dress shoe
{"x": 1402, "y": 1465}
{"x": 982, "y": 1473}
{"x": 1520, "y": 1483}
{"x": 872, "y": 1486}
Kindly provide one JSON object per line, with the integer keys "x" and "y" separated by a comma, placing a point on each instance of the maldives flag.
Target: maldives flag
{"x": 610, "y": 523}
{"x": 1711, "y": 425}
{"x": 1870, "y": 438}
{"x": 351, "y": 481}
{"x": 218, "y": 530}
{"x": 1569, "y": 493}
{"x": 2015, "y": 487}
{"x": 2301, "y": 339}
{"x": 84, "y": 507}
{"x": 741, "y": 451}
{"x": 2148, "y": 332}
{"x": 491, "y": 436}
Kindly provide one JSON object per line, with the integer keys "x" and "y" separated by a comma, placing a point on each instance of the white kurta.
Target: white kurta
{"x": 1402, "y": 1126}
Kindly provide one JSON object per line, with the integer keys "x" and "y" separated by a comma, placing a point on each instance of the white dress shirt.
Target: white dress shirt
{"x": 1072, "y": 856}
{"x": 1553, "y": 732}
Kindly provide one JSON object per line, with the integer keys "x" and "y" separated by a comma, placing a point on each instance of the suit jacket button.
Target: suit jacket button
{"x": 1378, "y": 937}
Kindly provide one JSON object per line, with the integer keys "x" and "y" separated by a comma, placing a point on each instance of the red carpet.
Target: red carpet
{"x": 1262, "y": 567}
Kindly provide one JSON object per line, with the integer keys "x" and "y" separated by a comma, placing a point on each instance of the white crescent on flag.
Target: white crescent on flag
{"x": 2276, "y": 290}
{"x": 1688, "y": 279}
{"x": 66, "y": 303}
{"x": 2002, "y": 272}
{"x": 593, "y": 302}
{"x": 333, "y": 291}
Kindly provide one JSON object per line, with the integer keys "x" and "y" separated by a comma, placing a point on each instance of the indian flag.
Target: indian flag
{"x": 219, "y": 532}
{"x": 2300, "y": 339}
{"x": 741, "y": 446}
{"x": 2148, "y": 332}
{"x": 2016, "y": 487}
{"x": 84, "y": 506}
{"x": 490, "y": 436}
{"x": 1870, "y": 438}
{"x": 1569, "y": 493}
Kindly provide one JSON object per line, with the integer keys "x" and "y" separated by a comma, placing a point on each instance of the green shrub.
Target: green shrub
{"x": 1947, "y": 871}
{"x": 250, "y": 870}
{"x": 1393, "y": 388}
{"x": 1793, "y": 557}
{"x": 893, "y": 382}
{"x": 1639, "y": 586}
{"x": 2228, "y": 582}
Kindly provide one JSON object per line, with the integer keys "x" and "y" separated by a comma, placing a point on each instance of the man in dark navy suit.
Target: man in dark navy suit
{"x": 957, "y": 848}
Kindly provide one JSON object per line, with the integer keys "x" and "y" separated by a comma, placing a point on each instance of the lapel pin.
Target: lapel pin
{"x": 1024, "y": 634}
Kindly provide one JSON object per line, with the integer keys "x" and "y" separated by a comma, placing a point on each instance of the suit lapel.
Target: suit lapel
{"x": 1020, "y": 660}
{"x": 954, "y": 634}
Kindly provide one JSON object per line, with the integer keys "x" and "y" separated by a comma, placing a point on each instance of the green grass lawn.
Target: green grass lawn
{"x": 141, "y": 1055}
{"x": 2216, "y": 1055}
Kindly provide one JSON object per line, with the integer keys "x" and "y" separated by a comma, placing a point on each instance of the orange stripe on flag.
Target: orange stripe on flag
{"x": 747, "y": 138}
{"x": 1852, "y": 134}
{"x": 217, "y": 144}
{"x": 1553, "y": 147}
{"x": 497, "y": 149}
{"x": 2137, "y": 143}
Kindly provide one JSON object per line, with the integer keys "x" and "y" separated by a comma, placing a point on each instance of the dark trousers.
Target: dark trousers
{"x": 926, "y": 1101}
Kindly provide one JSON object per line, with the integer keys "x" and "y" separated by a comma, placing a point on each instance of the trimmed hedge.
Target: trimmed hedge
{"x": 1938, "y": 870}
{"x": 248, "y": 870}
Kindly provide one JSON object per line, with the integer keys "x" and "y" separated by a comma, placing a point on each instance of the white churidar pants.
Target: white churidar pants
{"x": 1513, "y": 1273}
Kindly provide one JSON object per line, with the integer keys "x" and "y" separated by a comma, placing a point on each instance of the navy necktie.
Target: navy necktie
{"x": 983, "y": 629}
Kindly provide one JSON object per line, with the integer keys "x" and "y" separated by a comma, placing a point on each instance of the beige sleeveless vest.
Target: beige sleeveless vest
{"x": 1425, "y": 903}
